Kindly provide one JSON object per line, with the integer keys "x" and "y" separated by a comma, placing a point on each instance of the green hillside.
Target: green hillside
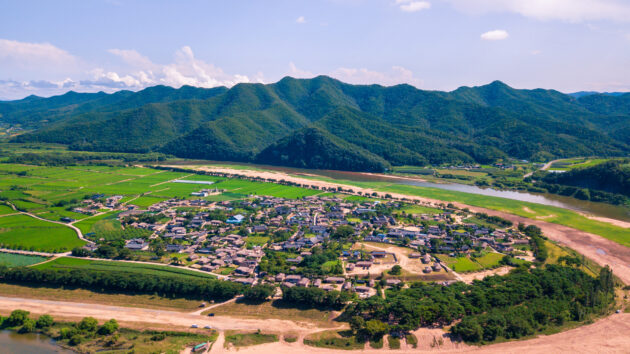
{"x": 611, "y": 176}
{"x": 375, "y": 125}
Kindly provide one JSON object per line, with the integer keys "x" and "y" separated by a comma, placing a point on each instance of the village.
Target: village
{"x": 324, "y": 241}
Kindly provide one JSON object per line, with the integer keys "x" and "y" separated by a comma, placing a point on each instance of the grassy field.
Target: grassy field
{"x": 135, "y": 341}
{"x": 555, "y": 252}
{"x": 419, "y": 209}
{"x": 126, "y": 267}
{"x": 86, "y": 224}
{"x": 333, "y": 339}
{"x": 86, "y": 296}
{"x": 460, "y": 264}
{"x": 248, "y": 339}
{"x": 19, "y": 260}
{"x": 274, "y": 309}
{"x": 256, "y": 240}
{"x": 489, "y": 260}
{"x": 5, "y": 209}
{"x": 569, "y": 164}
{"x": 27, "y": 233}
{"x": 258, "y": 188}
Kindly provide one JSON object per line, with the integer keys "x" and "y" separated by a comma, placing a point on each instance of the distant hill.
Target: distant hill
{"x": 375, "y": 125}
{"x": 589, "y": 93}
{"x": 611, "y": 176}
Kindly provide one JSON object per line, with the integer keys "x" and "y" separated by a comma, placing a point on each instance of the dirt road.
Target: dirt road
{"x": 162, "y": 317}
{"x": 597, "y": 248}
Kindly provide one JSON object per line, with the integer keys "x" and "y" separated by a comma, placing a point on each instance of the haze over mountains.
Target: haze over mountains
{"x": 325, "y": 123}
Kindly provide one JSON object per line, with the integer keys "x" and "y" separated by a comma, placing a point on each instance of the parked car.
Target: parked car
{"x": 207, "y": 327}
{"x": 194, "y": 326}
{"x": 211, "y": 314}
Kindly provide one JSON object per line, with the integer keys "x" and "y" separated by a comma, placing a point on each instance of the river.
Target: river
{"x": 31, "y": 343}
{"x": 597, "y": 209}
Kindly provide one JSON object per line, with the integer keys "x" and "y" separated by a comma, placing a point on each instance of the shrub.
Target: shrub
{"x": 75, "y": 340}
{"x": 17, "y": 318}
{"x": 28, "y": 326}
{"x": 44, "y": 321}
{"x": 108, "y": 327}
{"x": 88, "y": 324}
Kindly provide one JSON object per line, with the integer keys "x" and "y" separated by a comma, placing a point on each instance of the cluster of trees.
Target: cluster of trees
{"x": 112, "y": 250}
{"x": 554, "y": 307}
{"x": 494, "y": 220}
{"x": 259, "y": 293}
{"x": 536, "y": 240}
{"x": 122, "y": 282}
{"x": 276, "y": 262}
{"x": 315, "y": 297}
{"x": 499, "y": 306}
{"x": 20, "y": 319}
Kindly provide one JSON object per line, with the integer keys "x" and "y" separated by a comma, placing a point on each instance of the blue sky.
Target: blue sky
{"x": 49, "y": 47}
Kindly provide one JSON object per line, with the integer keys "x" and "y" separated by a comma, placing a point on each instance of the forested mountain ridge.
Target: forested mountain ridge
{"x": 376, "y": 125}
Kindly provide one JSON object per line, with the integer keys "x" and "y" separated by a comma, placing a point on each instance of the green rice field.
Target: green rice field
{"x": 19, "y": 260}
{"x": 460, "y": 264}
{"x": 126, "y": 267}
{"x": 26, "y": 233}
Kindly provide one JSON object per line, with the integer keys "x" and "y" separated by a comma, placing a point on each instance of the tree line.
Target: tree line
{"x": 99, "y": 281}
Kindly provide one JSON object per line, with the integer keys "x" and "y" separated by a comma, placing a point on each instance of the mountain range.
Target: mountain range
{"x": 324, "y": 123}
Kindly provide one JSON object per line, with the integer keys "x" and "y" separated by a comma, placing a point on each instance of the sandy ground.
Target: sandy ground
{"x": 162, "y": 317}
{"x": 615, "y": 222}
{"x": 597, "y": 248}
{"x": 469, "y": 277}
{"x": 609, "y": 335}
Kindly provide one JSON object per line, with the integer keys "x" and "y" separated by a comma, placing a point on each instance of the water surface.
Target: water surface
{"x": 30, "y": 343}
{"x": 597, "y": 209}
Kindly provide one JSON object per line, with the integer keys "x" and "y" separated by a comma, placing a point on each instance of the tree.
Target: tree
{"x": 375, "y": 329}
{"x": 88, "y": 324}
{"x": 108, "y": 327}
{"x": 469, "y": 329}
{"x": 356, "y": 323}
{"x": 396, "y": 270}
{"x": 45, "y": 321}
{"x": 81, "y": 252}
{"x": 343, "y": 232}
{"x": 259, "y": 293}
{"x": 17, "y": 318}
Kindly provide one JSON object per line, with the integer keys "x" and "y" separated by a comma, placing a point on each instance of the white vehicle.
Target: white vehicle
{"x": 194, "y": 326}
{"x": 207, "y": 327}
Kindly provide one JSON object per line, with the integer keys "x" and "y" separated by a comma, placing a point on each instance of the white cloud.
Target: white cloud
{"x": 47, "y": 70}
{"x": 294, "y": 71}
{"x": 564, "y": 10}
{"x": 495, "y": 35}
{"x": 300, "y": 19}
{"x": 413, "y": 6}
{"x": 396, "y": 75}
{"x": 25, "y": 53}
